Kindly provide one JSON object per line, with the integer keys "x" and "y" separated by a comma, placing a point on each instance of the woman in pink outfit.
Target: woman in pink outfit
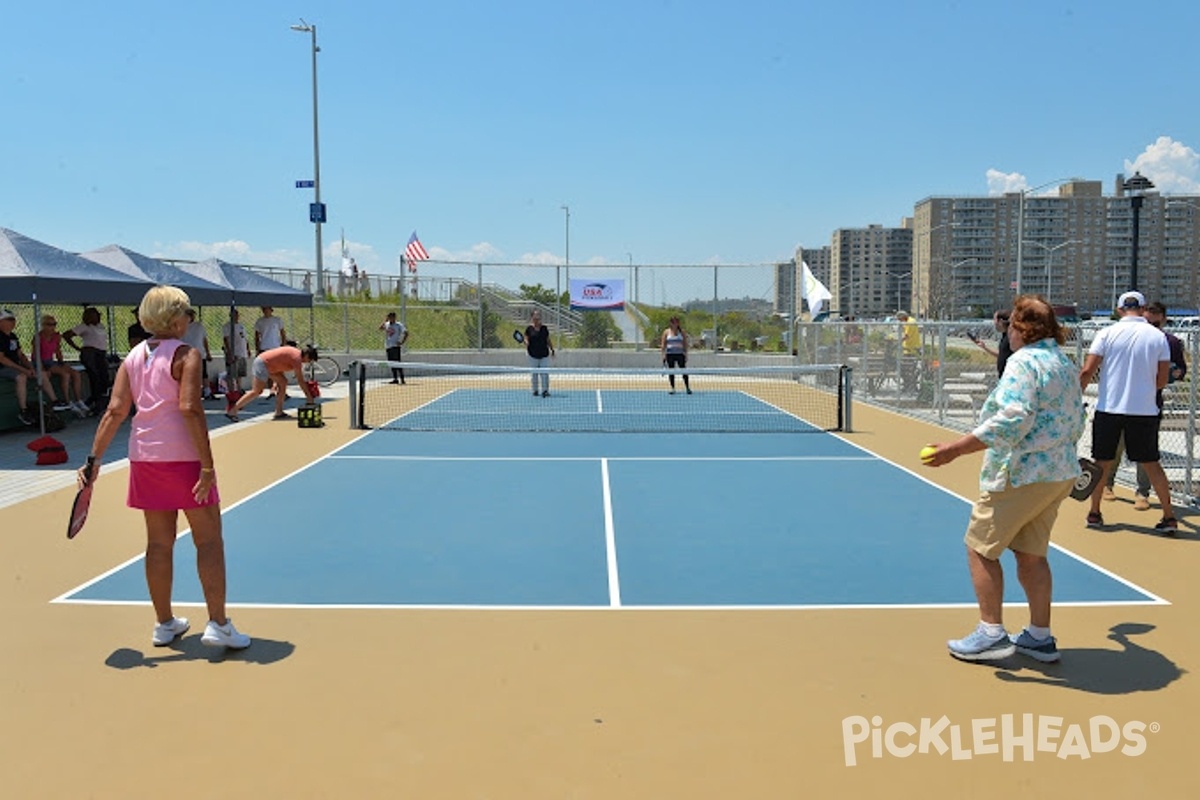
{"x": 170, "y": 463}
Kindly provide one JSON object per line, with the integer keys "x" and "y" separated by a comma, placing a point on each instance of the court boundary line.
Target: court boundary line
{"x": 594, "y": 608}
{"x": 1153, "y": 598}
{"x": 65, "y": 596}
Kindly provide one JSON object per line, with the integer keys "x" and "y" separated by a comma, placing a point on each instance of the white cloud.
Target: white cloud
{"x": 1172, "y": 166}
{"x": 1000, "y": 183}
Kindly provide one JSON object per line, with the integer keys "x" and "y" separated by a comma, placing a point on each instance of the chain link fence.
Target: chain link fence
{"x": 948, "y": 376}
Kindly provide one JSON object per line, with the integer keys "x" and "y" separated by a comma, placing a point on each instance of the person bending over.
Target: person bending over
{"x": 271, "y": 367}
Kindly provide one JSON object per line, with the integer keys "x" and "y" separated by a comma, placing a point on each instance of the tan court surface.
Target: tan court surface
{"x": 592, "y": 704}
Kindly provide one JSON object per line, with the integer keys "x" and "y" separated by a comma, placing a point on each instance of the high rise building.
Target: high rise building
{"x": 1074, "y": 246}
{"x": 870, "y": 270}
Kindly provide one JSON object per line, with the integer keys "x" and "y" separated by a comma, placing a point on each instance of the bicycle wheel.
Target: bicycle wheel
{"x": 325, "y": 371}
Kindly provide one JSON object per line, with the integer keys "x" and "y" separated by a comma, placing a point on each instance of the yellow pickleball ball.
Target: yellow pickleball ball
{"x": 927, "y": 453}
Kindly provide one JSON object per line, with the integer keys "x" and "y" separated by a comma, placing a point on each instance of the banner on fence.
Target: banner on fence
{"x": 590, "y": 294}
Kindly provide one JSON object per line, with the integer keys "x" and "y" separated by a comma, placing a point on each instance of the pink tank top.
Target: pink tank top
{"x": 47, "y": 346}
{"x": 157, "y": 432}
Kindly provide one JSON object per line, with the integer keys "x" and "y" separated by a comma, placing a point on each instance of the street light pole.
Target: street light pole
{"x": 1021, "y": 223}
{"x": 567, "y": 261}
{"x": 1050, "y": 262}
{"x": 954, "y": 282}
{"x": 1137, "y": 186}
{"x": 304, "y": 27}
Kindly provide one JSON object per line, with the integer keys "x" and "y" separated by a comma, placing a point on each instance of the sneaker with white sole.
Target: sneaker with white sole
{"x": 224, "y": 636}
{"x": 978, "y": 646}
{"x": 81, "y": 410}
{"x": 61, "y": 405}
{"x": 165, "y": 632}
{"x": 1044, "y": 650}
{"x": 1141, "y": 503}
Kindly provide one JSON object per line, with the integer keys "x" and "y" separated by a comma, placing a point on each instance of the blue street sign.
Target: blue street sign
{"x": 316, "y": 212}
{"x": 304, "y": 184}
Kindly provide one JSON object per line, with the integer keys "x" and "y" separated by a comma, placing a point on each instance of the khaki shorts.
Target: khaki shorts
{"x": 1017, "y": 518}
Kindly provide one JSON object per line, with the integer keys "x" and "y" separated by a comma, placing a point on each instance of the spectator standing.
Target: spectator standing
{"x": 540, "y": 350}
{"x": 93, "y": 354}
{"x": 395, "y": 335}
{"x": 1156, "y": 315}
{"x": 1136, "y": 361}
{"x": 15, "y": 366}
{"x": 268, "y": 331}
{"x": 170, "y": 465}
{"x": 1030, "y": 425}
{"x": 1003, "y": 349}
{"x": 135, "y": 332}
{"x": 236, "y": 347}
{"x": 197, "y": 338}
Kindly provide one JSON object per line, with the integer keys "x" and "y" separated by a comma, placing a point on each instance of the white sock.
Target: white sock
{"x": 993, "y": 630}
{"x": 1038, "y": 633}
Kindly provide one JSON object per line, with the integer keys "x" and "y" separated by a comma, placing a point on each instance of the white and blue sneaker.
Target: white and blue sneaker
{"x": 165, "y": 632}
{"x": 978, "y": 646}
{"x": 1044, "y": 650}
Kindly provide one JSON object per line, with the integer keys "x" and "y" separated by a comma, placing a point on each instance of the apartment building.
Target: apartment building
{"x": 870, "y": 270}
{"x": 1074, "y": 246}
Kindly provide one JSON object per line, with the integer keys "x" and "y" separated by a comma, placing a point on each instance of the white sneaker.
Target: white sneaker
{"x": 224, "y": 636}
{"x": 165, "y": 632}
{"x": 81, "y": 409}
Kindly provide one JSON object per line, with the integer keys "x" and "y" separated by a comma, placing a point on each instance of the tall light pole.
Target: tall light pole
{"x": 317, "y": 212}
{"x": 1137, "y": 186}
{"x": 954, "y": 281}
{"x": 567, "y": 261}
{"x": 1050, "y": 261}
{"x": 900, "y": 276}
{"x": 1021, "y": 223}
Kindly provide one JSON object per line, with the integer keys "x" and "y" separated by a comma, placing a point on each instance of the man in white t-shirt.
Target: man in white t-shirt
{"x": 268, "y": 331}
{"x": 237, "y": 351}
{"x": 394, "y": 337}
{"x": 1136, "y": 363}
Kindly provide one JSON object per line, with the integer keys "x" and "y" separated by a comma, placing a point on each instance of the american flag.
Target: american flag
{"x": 414, "y": 252}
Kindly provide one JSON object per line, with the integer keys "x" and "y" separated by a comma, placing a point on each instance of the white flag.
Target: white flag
{"x": 815, "y": 293}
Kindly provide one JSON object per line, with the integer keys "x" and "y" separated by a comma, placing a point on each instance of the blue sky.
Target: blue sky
{"x": 677, "y": 132}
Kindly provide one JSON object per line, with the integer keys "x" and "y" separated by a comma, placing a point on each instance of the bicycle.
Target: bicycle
{"x": 325, "y": 371}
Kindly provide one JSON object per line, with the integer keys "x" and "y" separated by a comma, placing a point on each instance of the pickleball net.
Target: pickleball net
{"x": 466, "y": 397}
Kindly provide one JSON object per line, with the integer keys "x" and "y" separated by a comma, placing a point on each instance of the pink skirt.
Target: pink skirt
{"x": 166, "y": 486}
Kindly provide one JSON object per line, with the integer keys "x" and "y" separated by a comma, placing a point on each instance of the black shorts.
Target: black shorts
{"x": 1141, "y": 436}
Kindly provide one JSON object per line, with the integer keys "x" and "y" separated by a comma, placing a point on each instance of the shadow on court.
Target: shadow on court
{"x": 1131, "y": 669}
{"x": 260, "y": 651}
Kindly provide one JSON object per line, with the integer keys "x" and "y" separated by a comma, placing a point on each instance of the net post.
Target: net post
{"x": 845, "y": 399}
{"x": 353, "y": 372}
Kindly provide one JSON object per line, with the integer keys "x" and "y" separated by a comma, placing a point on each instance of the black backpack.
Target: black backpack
{"x": 51, "y": 420}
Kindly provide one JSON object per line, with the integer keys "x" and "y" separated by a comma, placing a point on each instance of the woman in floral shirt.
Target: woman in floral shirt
{"x": 1029, "y": 427}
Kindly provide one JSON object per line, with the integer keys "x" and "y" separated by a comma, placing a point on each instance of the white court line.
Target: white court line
{"x": 599, "y": 607}
{"x": 608, "y": 458}
{"x": 599, "y": 403}
{"x": 610, "y": 540}
{"x": 64, "y": 597}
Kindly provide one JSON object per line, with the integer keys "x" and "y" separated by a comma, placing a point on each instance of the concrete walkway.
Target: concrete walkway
{"x": 22, "y": 478}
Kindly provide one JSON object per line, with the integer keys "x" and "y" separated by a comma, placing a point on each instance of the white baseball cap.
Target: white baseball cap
{"x": 1131, "y": 300}
{"x": 6, "y": 314}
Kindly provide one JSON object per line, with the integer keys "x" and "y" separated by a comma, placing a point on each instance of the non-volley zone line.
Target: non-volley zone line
{"x": 596, "y": 458}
